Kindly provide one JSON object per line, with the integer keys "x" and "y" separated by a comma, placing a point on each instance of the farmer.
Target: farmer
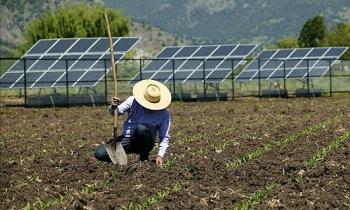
{"x": 147, "y": 116}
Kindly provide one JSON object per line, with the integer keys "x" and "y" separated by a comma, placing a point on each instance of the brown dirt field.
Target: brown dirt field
{"x": 47, "y": 157}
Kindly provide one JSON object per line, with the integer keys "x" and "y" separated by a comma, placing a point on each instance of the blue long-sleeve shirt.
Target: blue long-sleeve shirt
{"x": 157, "y": 121}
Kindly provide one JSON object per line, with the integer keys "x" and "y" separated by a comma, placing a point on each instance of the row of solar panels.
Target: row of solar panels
{"x": 84, "y": 62}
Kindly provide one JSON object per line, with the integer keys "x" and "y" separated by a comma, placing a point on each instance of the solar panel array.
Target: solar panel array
{"x": 186, "y": 63}
{"x": 291, "y": 63}
{"x": 47, "y": 60}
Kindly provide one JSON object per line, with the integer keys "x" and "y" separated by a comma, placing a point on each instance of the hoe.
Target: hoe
{"x": 114, "y": 147}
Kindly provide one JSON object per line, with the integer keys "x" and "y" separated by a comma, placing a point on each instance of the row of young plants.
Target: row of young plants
{"x": 245, "y": 158}
{"x": 200, "y": 151}
{"x": 312, "y": 162}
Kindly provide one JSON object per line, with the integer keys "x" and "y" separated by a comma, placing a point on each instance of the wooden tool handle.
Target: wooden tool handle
{"x": 115, "y": 78}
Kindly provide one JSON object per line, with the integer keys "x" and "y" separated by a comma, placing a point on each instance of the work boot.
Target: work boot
{"x": 144, "y": 156}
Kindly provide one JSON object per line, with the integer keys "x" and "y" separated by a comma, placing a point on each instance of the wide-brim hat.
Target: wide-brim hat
{"x": 152, "y": 94}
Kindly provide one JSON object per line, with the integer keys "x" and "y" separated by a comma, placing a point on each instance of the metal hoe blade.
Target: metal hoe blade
{"x": 116, "y": 153}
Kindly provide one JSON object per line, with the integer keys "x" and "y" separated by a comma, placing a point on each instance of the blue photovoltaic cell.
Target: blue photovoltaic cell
{"x": 265, "y": 54}
{"x": 191, "y": 64}
{"x": 210, "y": 63}
{"x": 41, "y": 46}
{"x": 44, "y": 63}
{"x": 197, "y": 76}
{"x": 272, "y": 64}
{"x": 297, "y": 73}
{"x": 73, "y": 76}
{"x": 205, "y": 51}
{"x": 65, "y": 62}
{"x": 186, "y": 52}
{"x": 317, "y": 52}
{"x": 335, "y": 52}
{"x": 31, "y": 77}
{"x": 124, "y": 44}
{"x": 299, "y": 53}
{"x": 169, "y": 65}
{"x": 162, "y": 76}
{"x": 224, "y": 51}
{"x": 82, "y": 45}
{"x": 242, "y": 50}
{"x": 106, "y": 58}
{"x": 246, "y": 75}
{"x": 280, "y": 74}
{"x": 62, "y": 45}
{"x": 86, "y": 61}
{"x": 168, "y": 52}
{"x": 154, "y": 65}
{"x": 89, "y": 78}
{"x": 264, "y": 74}
{"x": 218, "y": 75}
{"x": 282, "y": 54}
{"x": 8, "y": 79}
{"x": 295, "y": 62}
{"x": 48, "y": 79}
{"x": 101, "y": 45}
{"x": 315, "y": 72}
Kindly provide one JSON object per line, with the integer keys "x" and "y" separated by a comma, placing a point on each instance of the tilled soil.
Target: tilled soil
{"x": 47, "y": 157}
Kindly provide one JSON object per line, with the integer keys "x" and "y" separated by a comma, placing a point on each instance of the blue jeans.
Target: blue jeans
{"x": 141, "y": 142}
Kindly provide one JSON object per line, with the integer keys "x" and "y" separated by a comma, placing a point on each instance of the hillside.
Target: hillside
{"x": 227, "y": 21}
{"x": 16, "y": 14}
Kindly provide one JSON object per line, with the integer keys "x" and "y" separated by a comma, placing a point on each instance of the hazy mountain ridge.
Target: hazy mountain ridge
{"x": 226, "y": 21}
{"x": 17, "y": 14}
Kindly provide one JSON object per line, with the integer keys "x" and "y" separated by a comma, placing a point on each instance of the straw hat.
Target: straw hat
{"x": 152, "y": 95}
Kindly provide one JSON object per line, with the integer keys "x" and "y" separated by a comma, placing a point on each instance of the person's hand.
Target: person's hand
{"x": 159, "y": 161}
{"x": 115, "y": 102}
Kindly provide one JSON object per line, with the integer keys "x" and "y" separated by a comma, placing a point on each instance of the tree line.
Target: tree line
{"x": 314, "y": 33}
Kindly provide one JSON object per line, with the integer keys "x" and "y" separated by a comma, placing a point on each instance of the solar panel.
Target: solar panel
{"x": 291, "y": 63}
{"x": 195, "y": 63}
{"x": 46, "y": 62}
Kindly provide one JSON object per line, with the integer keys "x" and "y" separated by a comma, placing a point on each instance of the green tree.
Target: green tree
{"x": 339, "y": 36}
{"x": 287, "y": 42}
{"x": 74, "y": 21}
{"x": 313, "y": 32}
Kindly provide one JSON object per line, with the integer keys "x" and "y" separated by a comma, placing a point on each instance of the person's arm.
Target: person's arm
{"x": 164, "y": 136}
{"x": 123, "y": 107}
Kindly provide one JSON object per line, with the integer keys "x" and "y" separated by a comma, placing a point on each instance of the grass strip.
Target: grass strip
{"x": 232, "y": 164}
{"x": 255, "y": 198}
{"x": 321, "y": 154}
{"x": 158, "y": 197}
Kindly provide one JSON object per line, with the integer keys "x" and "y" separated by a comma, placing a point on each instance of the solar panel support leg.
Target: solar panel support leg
{"x": 204, "y": 84}
{"x": 330, "y": 78}
{"x": 232, "y": 79}
{"x": 25, "y": 81}
{"x": 259, "y": 81}
{"x": 307, "y": 79}
{"x": 173, "y": 67}
{"x": 67, "y": 87}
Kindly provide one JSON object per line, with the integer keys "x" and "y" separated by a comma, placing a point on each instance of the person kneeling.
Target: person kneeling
{"x": 147, "y": 116}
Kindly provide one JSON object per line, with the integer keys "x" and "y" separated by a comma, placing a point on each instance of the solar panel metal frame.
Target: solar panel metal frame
{"x": 185, "y": 59}
{"x": 100, "y": 55}
{"x": 299, "y": 60}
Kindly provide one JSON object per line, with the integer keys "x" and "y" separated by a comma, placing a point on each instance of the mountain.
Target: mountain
{"x": 16, "y": 14}
{"x": 232, "y": 21}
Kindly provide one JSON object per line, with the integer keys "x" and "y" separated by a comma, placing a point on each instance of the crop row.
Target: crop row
{"x": 312, "y": 162}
